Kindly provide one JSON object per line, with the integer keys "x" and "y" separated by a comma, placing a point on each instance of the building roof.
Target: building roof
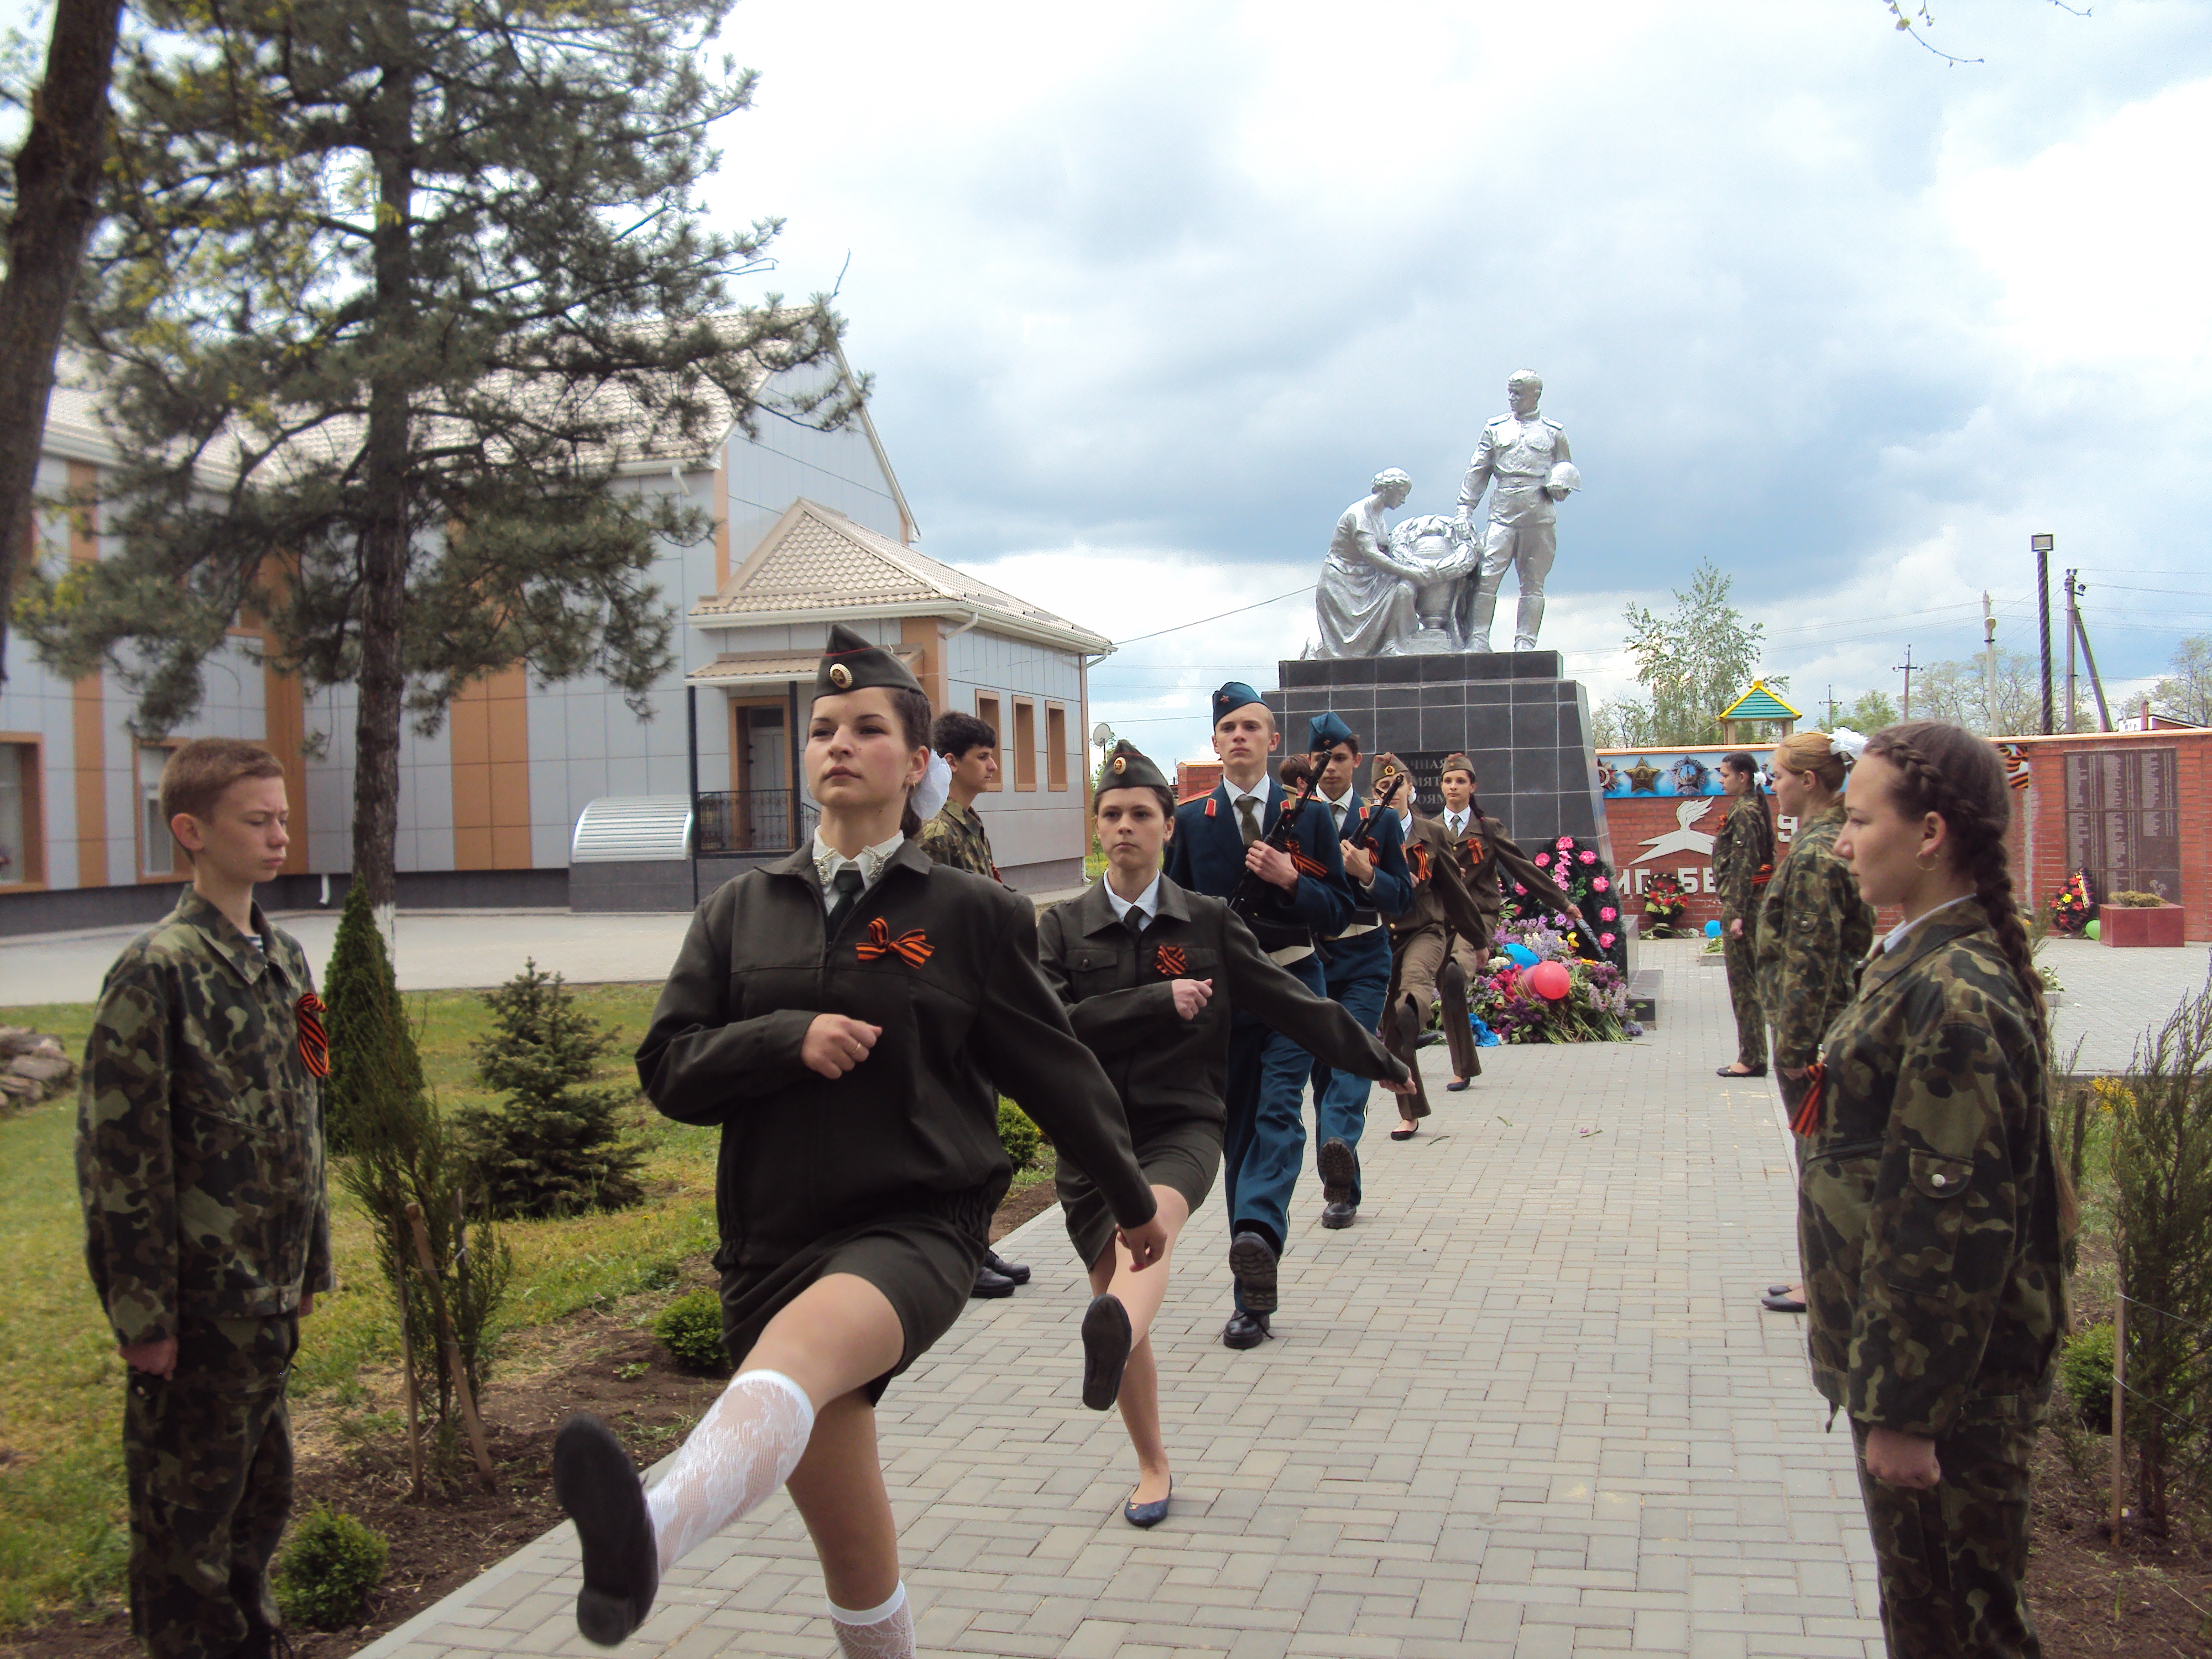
{"x": 817, "y": 565}
{"x": 734, "y": 668}
{"x": 1759, "y": 704}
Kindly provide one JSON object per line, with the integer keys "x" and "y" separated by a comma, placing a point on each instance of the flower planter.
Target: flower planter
{"x": 2124, "y": 926}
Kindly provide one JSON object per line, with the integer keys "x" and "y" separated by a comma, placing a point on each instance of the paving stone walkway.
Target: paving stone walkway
{"x": 1528, "y": 1407}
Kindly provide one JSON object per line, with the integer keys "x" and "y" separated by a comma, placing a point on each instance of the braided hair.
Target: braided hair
{"x": 1948, "y": 770}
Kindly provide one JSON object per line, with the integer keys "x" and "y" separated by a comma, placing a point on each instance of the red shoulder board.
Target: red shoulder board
{"x": 1209, "y": 805}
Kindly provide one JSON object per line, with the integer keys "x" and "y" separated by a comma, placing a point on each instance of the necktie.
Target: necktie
{"x": 850, "y": 884}
{"x": 1247, "y": 809}
{"x": 1133, "y": 920}
{"x": 1342, "y": 812}
{"x": 1459, "y": 826}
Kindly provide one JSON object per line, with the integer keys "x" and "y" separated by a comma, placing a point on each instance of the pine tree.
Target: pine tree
{"x": 369, "y": 1027}
{"x": 557, "y": 1147}
{"x": 390, "y": 293}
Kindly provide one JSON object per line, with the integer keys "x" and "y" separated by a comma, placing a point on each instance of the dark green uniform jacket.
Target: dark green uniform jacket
{"x": 1120, "y": 1001}
{"x": 1815, "y": 930}
{"x": 1743, "y": 850}
{"x": 1487, "y": 856}
{"x": 1440, "y": 898}
{"x": 1929, "y": 1211}
{"x": 199, "y": 1144}
{"x": 947, "y": 964}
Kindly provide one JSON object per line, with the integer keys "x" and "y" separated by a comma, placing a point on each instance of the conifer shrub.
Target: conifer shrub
{"x": 330, "y": 1565}
{"x": 690, "y": 1327}
{"x": 1023, "y": 1139}
{"x": 557, "y": 1147}
{"x": 368, "y": 1026}
{"x": 2085, "y": 1371}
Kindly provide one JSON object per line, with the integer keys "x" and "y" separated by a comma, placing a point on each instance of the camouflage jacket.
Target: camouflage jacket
{"x": 1929, "y": 1211}
{"x": 199, "y": 1144}
{"x": 1813, "y": 932}
{"x": 1742, "y": 849}
{"x": 955, "y": 837}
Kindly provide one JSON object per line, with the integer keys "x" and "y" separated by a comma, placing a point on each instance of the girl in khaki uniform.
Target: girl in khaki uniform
{"x": 1148, "y": 971}
{"x": 847, "y": 1017}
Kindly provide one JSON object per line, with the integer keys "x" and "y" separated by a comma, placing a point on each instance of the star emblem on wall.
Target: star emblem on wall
{"x": 1644, "y": 776}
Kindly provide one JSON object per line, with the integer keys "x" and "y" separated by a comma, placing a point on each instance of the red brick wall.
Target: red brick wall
{"x": 2044, "y": 802}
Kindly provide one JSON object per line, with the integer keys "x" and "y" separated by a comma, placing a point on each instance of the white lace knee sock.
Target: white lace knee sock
{"x": 884, "y": 1632}
{"x": 743, "y": 1449}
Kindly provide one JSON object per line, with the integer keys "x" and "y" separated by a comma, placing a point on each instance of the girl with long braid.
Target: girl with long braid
{"x": 847, "y": 1017}
{"x": 1929, "y": 1215}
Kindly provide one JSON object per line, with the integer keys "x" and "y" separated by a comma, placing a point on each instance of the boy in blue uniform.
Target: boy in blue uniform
{"x": 1355, "y": 960}
{"x": 1303, "y": 897}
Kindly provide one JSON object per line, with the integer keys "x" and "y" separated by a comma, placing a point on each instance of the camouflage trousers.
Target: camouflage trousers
{"x": 1953, "y": 1559}
{"x": 1739, "y": 954}
{"x": 208, "y": 1455}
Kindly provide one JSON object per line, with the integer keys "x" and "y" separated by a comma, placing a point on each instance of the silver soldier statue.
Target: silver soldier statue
{"x": 1365, "y": 598}
{"x": 1526, "y": 456}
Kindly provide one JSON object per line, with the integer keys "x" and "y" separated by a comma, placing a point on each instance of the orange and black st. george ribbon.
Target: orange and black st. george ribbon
{"x": 314, "y": 1040}
{"x": 1307, "y": 866}
{"x": 1167, "y": 961}
{"x": 1417, "y": 858}
{"x": 1766, "y": 874}
{"x": 913, "y": 946}
{"x": 1807, "y": 1118}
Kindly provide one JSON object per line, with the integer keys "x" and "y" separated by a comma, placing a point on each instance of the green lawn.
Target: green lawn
{"x": 61, "y": 1509}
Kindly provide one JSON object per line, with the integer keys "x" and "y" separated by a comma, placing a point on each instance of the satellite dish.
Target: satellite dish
{"x": 1102, "y": 734}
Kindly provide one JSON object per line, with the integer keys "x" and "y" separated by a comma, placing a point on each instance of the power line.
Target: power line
{"x": 1217, "y": 617}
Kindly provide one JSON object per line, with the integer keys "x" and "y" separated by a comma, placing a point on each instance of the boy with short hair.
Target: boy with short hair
{"x": 956, "y": 835}
{"x": 207, "y": 1222}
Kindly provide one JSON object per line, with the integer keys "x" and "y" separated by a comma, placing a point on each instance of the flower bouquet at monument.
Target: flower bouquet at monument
{"x": 1664, "y": 904}
{"x": 2073, "y": 905}
{"x": 1585, "y": 880}
{"x": 1538, "y": 989}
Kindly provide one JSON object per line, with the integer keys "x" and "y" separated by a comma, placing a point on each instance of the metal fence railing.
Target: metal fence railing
{"x": 745, "y": 821}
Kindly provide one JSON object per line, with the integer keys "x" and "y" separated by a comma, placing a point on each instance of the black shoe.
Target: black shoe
{"x": 1252, "y": 1265}
{"x": 1339, "y": 1174}
{"x": 1337, "y": 1215}
{"x": 1428, "y": 1039}
{"x": 1245, "y": 1330}
{"x": 1779, "y": 1290}
{"x": 596, "y": 1484}
{"x": 990, "y": 1283}
{"x": 1005, "y": 1269}
{"x": 1147, "y": 1515}
{"x": 1759, "y": 1070}
{"x": 1106, "y": 1344}
{"x": 1458, "y": 1084}
{"x": 1781, "y": 1303}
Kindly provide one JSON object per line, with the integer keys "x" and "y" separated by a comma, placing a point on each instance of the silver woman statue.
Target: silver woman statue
{"x": 1365, "y": 599}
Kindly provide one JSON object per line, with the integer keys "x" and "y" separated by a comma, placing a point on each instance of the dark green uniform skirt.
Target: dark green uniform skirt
{"x": 925, "y": 1264}
{"x": 1182, "y": 1155}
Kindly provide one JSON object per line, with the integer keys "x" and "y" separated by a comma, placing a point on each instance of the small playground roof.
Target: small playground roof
{"x": 1759, "y": 704}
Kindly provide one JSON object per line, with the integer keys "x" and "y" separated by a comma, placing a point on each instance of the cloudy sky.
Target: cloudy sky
{"x": 1151, "y": 290}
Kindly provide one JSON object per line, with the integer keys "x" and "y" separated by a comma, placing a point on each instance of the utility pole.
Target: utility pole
{"x": 2043, "y": 546}
{"x": 2088, "y": 657}
{"x": 1988, "y": 665}
{"x": 2073, "y": 632}
{"x": 1906, "y": 665}
{"x": 1832, "y": 705}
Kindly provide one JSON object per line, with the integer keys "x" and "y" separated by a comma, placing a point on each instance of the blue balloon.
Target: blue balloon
{"x": 1712, "y": 930}
{"x": 1522, "y": 955}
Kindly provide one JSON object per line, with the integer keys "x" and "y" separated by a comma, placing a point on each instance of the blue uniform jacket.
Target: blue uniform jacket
{"x": 1381, "y": 837}
{"x": 1207, "y": 856}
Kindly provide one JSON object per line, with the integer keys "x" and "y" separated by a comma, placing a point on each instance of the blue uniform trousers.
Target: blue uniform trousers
{"x": 1266, "y": 1142}
{"x": 1357, "y": 976}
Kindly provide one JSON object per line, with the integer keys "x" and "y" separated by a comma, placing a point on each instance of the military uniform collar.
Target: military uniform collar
{"x": 1938, "y": 928}
{"x": 801, "y": 863}
{"x": 220, "y": 931}
{"x": 1095, "y": 911}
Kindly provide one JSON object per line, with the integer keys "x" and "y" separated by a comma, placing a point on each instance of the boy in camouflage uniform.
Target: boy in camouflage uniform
{"x": 1743, "y": 861}
{"x": 1932, "y": 1213}
{"x": 207, "y": 1227}
{"x": 956, "y": 835}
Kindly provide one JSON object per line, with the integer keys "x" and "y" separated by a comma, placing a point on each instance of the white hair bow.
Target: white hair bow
{"x": 1845, "y": 741}
{"x": 929, "y": 795}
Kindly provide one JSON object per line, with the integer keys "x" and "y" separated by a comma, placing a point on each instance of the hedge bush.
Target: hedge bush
{"x": 1023, "y": 1139}
{"x": 329, "y": 1566}
{"x": 2085, "y": 1371}
{"x": 690, "y": 1327}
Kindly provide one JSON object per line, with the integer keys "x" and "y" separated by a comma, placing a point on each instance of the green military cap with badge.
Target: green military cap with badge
{"x": 850, "y": 663}
{"x": 1126, "y": 768}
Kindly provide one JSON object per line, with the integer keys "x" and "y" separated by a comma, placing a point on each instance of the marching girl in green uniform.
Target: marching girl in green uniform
{"x": 848, "y": 1016}
{"x": 1930, "y": 1214}
{"x": 1149, "y": 971}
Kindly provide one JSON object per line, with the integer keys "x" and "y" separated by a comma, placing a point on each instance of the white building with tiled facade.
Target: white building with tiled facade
{"x": 811, "y": 528}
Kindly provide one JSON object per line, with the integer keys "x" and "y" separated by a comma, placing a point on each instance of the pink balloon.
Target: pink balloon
{"x": 1549, "y": 979}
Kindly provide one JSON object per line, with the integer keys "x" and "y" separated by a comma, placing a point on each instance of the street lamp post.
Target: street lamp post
{"x": 2043, "y": 546}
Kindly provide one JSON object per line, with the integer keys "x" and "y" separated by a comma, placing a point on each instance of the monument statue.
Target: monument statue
{"x": 1440, "y": 559}
{"x": 1525, "y": 456}
{"x": 1365, "y": 599}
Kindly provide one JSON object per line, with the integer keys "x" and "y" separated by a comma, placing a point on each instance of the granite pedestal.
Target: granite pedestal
{"x": 1526, "y": 728}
